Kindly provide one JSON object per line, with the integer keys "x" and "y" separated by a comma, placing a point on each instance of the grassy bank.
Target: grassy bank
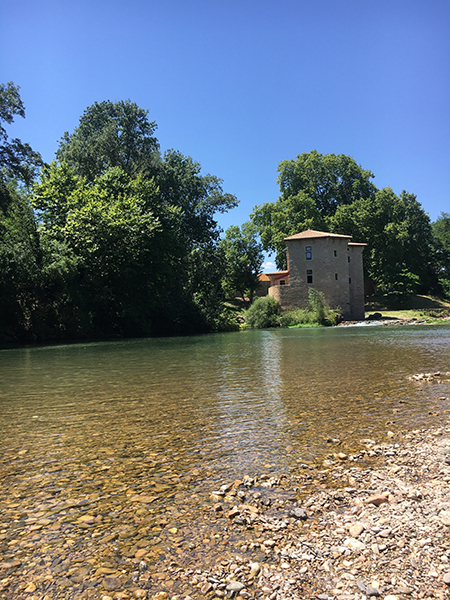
{"x": 415, "y": 307}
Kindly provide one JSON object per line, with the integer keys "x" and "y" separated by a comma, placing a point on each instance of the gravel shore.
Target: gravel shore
{"x": 372, "y": 523}
{"x": 382, "y": 532}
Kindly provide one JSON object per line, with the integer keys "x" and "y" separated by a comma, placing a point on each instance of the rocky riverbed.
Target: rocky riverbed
{"x": 344, "y": 530}
{"x": 366, "y": 523}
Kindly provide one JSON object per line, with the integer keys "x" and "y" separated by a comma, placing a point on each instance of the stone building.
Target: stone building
{"x": 328, "y": 262}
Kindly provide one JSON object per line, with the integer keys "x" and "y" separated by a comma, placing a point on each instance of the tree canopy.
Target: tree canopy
{"x": 244, "y": 258}
{"x": 17, "y": 159}
{"x": 111, "y": 134}
{"x": 398, "y": 235}
{"x": 333, "y": 193}
{"x": 114, "y": 238}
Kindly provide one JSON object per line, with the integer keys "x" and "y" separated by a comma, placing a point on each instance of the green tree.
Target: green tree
{"x": 198, "y": 198}
{"x": 17, "y": 159}
{"x": 244, "y": 258}
{"x": 264, "y": 312}
{"x": 20, "y": 252}
{"x": 139, "y": 228}
{"x": 20, "y": 266}
{"x": 111, "y": 134}
{"x": 441, "y": 233}
{"x": 312, "y": 187}
{"x": 399, "y": 237}
{"x": 329, "y": 180}
{"x": 108, "y": 245}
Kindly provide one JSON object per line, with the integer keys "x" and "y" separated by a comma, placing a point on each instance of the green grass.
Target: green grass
{"x": 427, "y": 308}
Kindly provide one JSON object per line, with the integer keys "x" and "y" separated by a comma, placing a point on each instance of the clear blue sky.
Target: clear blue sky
{"x": 242, "y": 85}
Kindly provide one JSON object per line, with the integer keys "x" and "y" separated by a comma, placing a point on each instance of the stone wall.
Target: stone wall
{"x": 356, "y": 276}
{"x": 290, "y": 296}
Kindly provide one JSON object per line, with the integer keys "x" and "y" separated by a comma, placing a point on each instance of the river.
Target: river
{"x": 110, "y": 450}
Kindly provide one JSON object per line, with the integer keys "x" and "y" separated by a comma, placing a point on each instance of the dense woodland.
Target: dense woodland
{"x": 115, "y": 239}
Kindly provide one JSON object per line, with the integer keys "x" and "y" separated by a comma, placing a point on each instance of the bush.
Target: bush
{"x": 317, "y": 312}
{"x": 264, "y": 312}
{"x": 318, "y": 306}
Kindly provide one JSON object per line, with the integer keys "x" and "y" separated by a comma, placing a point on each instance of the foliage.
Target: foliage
{"x": 441, "y": 233}
{"x": 20, "y": 264}
{"x": 111, "y": 134}
{"x": 329, "y": 180}
{"x": 316, "y": 313}
{"x": 17, "y": 160}
{"x": 264, "y": 312}
{"x": 129, "y": 239}
{"x": 102, "y": 238}
{"x": 244, "y": 259}
{"x": 312, "y": 187}
{"x": 399, "y": 239}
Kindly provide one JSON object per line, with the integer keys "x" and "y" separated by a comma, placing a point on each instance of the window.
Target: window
{"x": 282, "y": 282}
{"x": 335, "y": 252}
{"x": 308, "y": 253}
{"x": 309, "y": 276}
{"x": 349, "y": 279}
{"x": 336, "y": 276}
{"x": 348, "y": 258}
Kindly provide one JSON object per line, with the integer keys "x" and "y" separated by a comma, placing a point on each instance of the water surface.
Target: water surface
{"x": 133, "y": 435}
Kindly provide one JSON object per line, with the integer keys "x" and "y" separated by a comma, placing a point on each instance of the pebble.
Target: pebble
{"x": 356, "y": 529}
{"x": 235, "y": 586}
{"x": 377, "y": 531}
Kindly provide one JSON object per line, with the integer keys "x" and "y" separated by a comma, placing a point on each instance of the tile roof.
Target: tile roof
{"x": 311, "y": 233}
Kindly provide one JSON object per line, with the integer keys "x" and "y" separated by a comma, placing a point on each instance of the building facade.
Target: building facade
{"x": 327, "y": 262}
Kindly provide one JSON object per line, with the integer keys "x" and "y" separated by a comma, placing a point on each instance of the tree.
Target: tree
{"x": 20, "y": 265}
{"x": 17, "y": 160}
{"x": 399, "y": 237}
{"x": 111, "y": 134}
{"x": 138, "y": 229}
{"x": 198, "y": 198}
{"x": 244, "y": 257}
{"x": 20, "y": 252}
{"x": 441, "y": 233}
{"x": 312, "y": 187}
{"x": 107, "y": 242}
{"x": 329, "y": 180}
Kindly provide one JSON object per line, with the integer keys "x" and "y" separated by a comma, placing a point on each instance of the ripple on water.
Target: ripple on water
{"x": 110, "y": 451}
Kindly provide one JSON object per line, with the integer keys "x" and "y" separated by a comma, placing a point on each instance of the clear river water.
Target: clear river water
{"x": 110, "y": 451}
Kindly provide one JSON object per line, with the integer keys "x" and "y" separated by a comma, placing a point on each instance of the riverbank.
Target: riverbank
{"x": 369, "y": 532}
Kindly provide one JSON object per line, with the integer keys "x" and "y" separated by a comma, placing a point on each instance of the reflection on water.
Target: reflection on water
{"x": 135, "y": 434}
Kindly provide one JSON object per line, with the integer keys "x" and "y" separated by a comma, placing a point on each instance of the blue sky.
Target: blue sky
{"x": 241, "y": 86}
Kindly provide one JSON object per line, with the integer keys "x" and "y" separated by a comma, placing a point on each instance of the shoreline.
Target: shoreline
{"x": 381, "y": 531}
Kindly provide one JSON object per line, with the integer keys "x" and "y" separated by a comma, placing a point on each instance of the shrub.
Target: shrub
{"x": 264, "y": 312}
{"x": 317, "y": 312}
{"x": 318, "y": 306}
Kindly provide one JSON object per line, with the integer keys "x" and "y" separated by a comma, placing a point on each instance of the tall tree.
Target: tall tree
{"x": 244, "y": 258}
{"x": 441, "y": 232}
{"x": 109, "y": 244}
{"x": 17, "y": 159}
{"x": 330, "y": 180}
{"x": 111, "y": 134}
{"x": 312, "y": 187}
{"x": 20, "y": 252}
{"x": 198, "y": 198}
{"x": 399, "y": 237}
{"x": 20, "y": 266}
